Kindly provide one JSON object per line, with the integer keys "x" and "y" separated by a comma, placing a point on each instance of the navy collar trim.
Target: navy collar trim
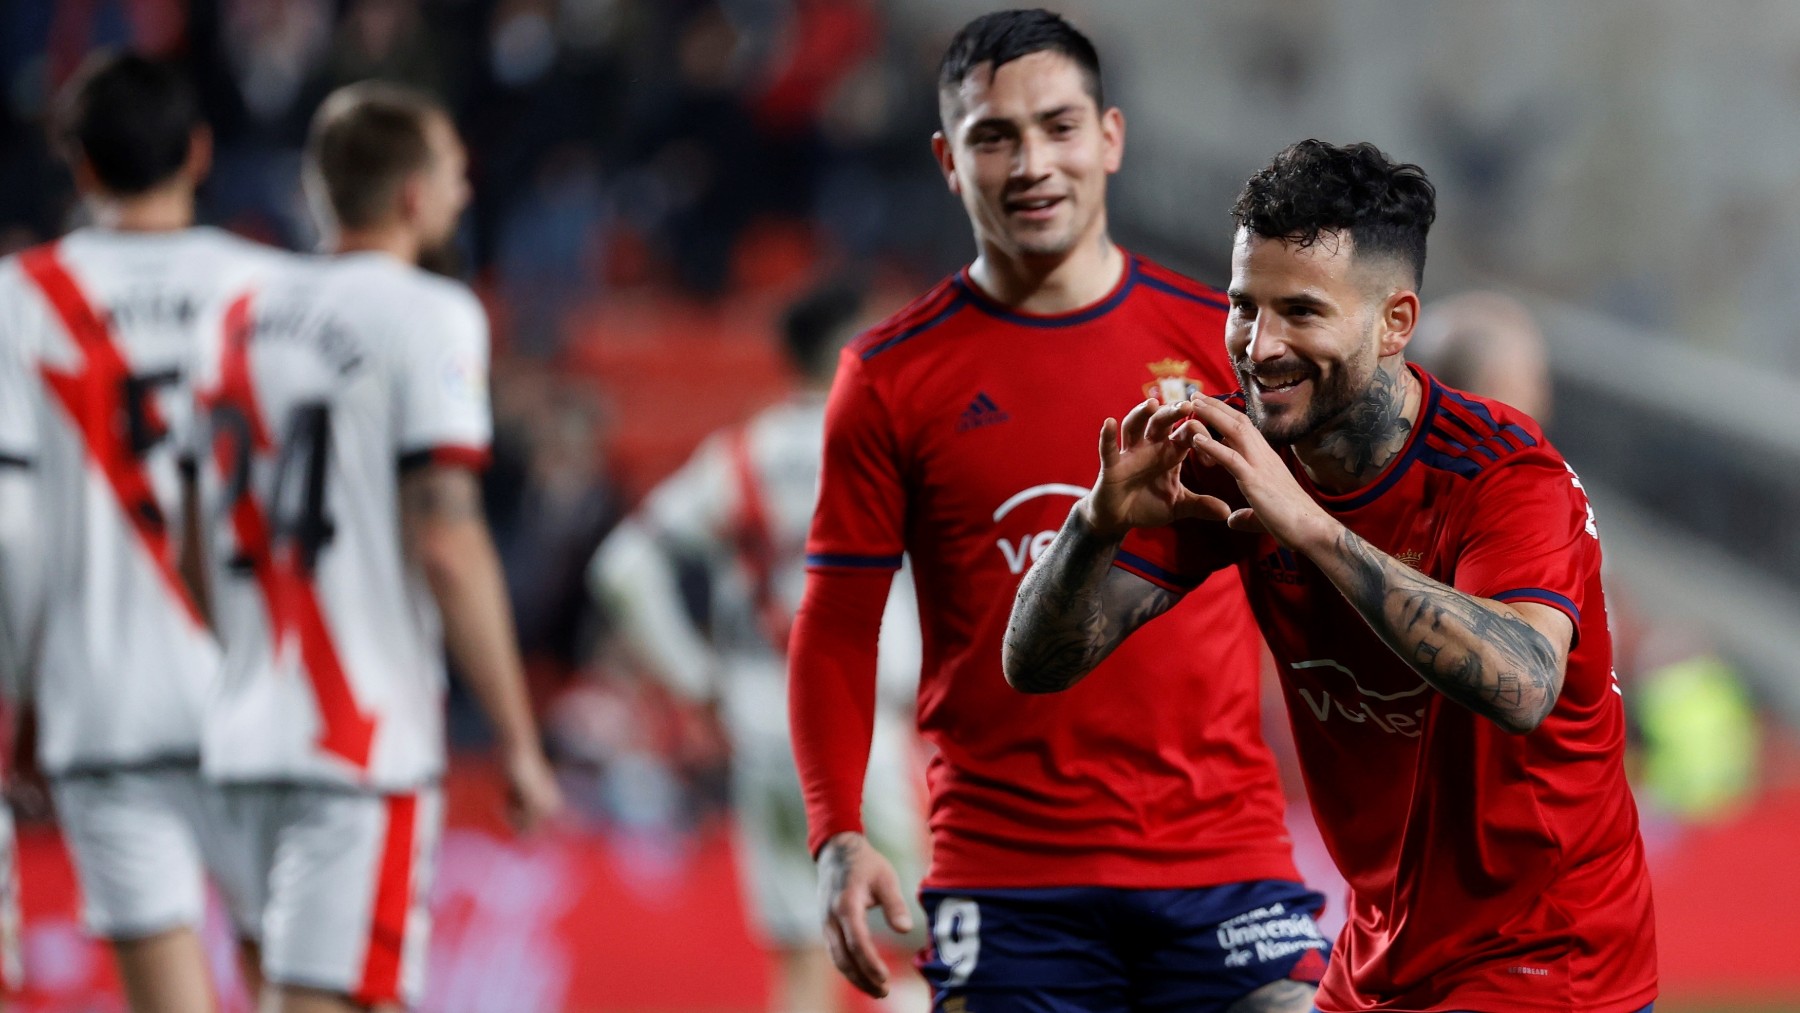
{"x": 986, "y": 303}
{"x": 1415, "y": 445}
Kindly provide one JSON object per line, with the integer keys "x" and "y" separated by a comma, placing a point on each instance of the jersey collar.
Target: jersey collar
{"x": 1128, "y": 280}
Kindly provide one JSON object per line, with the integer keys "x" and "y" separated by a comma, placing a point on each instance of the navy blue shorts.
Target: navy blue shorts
{"x": 1103, "y": 950}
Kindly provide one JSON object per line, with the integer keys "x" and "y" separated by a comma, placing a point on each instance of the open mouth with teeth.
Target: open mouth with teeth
{"x": 1032, "y": 207}
{"x": 1277, "y": 386}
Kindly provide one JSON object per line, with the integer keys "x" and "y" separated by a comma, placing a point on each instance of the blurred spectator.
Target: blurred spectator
{"x": 1698, "y": 732}
{"x": 1489, "y": 344}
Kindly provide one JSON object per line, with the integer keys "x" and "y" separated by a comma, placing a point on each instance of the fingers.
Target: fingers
{"x": 860, "y": 944}
{"x": 1207, "y": 508}
{"x": 1232, "y": 426}
{"x": 893, "y": 903}
{"x": 1245, "y": 519}
{"x": 1164, "y": 420}
{"x": 1211, "y": 451}
{"x": 1109, "y": 443}
{"x": 853, "y": 879}
{"x": 839, "y": 947}
{"x": 1137, "y": 420}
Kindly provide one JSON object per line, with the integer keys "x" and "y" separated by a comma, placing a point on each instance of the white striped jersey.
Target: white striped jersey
{"x": 319, "y": 390}
{"x": 98, "y": 335}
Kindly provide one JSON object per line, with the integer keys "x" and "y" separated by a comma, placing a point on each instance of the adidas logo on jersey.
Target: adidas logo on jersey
{"x": 981, "y": 412}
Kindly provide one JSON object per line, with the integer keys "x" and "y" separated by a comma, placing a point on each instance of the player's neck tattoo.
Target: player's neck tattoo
{"x": 1371, "y": 432}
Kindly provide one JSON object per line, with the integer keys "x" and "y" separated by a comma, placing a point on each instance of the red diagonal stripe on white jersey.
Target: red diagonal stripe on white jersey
{"x": 94, "y": 398}
{"x": 287, "y": 589}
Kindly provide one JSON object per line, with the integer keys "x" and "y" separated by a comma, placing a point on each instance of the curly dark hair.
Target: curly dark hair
{"x": 1004, "y": 36}
{"x": 1313, "y": 187}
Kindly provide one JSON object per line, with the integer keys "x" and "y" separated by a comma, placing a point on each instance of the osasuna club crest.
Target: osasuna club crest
{"x": 1172, "y": 382}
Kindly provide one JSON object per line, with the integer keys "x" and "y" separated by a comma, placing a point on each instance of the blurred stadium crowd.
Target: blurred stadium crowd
{"x": 650, "y": 180}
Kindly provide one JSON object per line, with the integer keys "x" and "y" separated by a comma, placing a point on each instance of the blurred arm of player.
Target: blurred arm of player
{"x": 1502, "y": 660}
{"x": 19, "y": 558}
{"x": 447, "y": 536}
{"x": 634, "y": 575}
{"x": 15, "y": 578}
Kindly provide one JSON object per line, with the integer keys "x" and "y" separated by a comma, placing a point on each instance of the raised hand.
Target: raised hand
{"x": 1140, "y": 472}
{"x": 1277, "y": 503}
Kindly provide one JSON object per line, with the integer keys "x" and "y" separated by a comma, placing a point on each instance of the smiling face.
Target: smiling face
{"x": 1028, "y": 151}
{"x": 1308, "y": 327}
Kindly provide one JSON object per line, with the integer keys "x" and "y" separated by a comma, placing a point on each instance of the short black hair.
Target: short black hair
{"x": 132, "y": 118}
{"x": 1004, "y": 36}
{"x": 1313, "y": 187}
{"x": 818, "y": 322}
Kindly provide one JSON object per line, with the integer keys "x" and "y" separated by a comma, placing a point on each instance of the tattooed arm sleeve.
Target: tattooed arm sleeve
{"x": 1073, "y": 608}
{"x": 1502, "y": 661}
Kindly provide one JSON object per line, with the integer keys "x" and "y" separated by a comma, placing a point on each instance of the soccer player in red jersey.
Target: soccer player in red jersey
{"x": 1101, "y": 850}
{"x": 1426, "y": 570}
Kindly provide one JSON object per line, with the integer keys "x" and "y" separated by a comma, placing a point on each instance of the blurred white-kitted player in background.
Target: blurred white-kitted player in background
{"x": 740, "y": 508}
{"x": 347, "y": 412}
{"x": 98, "y": 333}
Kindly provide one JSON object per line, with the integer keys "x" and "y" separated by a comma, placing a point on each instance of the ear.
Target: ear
{"x": 410, "y": 198}
{"x": 87, "y": 181}
{"x": 1112, "y": 135}
{"x": 946, "y": 160}
{"x": 200, "y": 154}
{"x": 1399, "y": 315}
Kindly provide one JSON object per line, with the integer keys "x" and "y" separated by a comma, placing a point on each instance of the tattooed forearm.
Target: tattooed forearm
{"x": 1490, "y": 661}
{"x": 1073, "y": 608}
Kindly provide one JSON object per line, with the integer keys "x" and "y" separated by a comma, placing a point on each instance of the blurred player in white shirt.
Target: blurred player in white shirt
{"x": 347, "y": 411}
{"x": 100, "y": 331}
{"x": 740, "y": 508}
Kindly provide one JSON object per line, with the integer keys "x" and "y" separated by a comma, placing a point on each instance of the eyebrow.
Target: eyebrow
{"x": 1306, "y": 299}
{"x": 1006, "y": 123}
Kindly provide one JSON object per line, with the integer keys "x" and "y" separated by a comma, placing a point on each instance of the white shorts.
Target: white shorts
{"x": 12, "y": 967}
{"x": 333, "y": 885}
{"x": 141, "y": 839}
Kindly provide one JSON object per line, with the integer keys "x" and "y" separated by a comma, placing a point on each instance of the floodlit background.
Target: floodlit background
{"x": 654, "y": 178}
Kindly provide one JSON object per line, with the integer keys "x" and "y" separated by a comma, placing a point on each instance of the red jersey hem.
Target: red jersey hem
{"x": 1004, "y": 869}
{"x": 1499, "y": 1000}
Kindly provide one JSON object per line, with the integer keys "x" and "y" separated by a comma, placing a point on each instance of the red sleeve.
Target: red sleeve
{"x": 831, "y": 694}
{"x": 860, "y": 519}
{"x": 852, "y": 552}
{"x": 1529, "y": 536}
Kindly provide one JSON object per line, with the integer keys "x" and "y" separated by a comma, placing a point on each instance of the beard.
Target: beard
{"x": 1333, "y": 393}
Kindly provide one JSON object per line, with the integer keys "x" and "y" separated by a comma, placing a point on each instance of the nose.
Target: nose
{"x": 1031, "y": 158}
{"x": 1268, "y": 339}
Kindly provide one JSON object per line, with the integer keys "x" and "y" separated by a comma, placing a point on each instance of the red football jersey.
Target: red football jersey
{"x": 1487, "y": 870}
{"x": 961, "y": 433}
